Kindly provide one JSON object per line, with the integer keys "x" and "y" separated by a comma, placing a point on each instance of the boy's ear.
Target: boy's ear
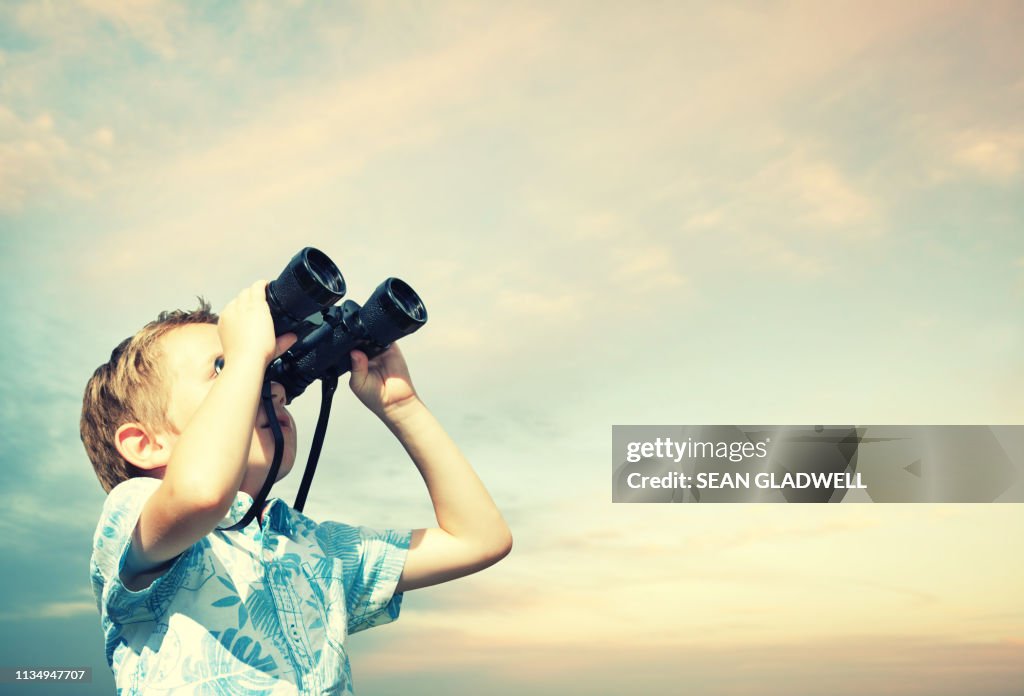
{"x": 142, "y": 446}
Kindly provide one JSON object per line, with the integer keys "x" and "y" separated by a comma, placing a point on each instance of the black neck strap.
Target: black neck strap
{"x": 275, "y": 427}
{"x": 327, "y": 396}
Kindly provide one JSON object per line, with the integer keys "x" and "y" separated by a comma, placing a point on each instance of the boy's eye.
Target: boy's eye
{"x": 218, "y": 365}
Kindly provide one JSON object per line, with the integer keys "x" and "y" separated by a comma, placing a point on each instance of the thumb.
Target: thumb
{"x": 360, "y": 364}
{"x": 284, "y": 342}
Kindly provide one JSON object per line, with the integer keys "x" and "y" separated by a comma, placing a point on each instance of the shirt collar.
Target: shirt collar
{"x": 275, "y": 514}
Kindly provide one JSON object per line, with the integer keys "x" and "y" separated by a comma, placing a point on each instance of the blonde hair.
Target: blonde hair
{"x": 129, "y": 388}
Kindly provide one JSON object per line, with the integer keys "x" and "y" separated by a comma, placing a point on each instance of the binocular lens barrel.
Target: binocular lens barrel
{"x": 320, "y": 275}
{"x": 309, "y": 283}
{"x": 407, "y": 307}
{"x": 394, "y": 310}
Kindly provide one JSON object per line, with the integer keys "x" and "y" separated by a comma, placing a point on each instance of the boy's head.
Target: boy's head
{"x": 137, "y": 404}
{"x": 132, "y": 387}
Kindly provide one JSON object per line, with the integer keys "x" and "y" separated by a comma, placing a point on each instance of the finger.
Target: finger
{"x": 360, "y": 367}
{"x": 284, "y": 342}
{"x": 257, "y": 291}
{"x": 357, "y": 375}
{"x": 359, "y": 361}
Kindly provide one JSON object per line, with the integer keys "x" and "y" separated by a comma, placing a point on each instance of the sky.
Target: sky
{"x": 616, "y": 213}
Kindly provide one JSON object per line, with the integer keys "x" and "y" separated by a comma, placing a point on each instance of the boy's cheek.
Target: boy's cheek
{"x": 263, "y": 443}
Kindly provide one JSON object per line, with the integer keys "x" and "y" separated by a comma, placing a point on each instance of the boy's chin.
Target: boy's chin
{"x": 286, "y": 468}
{"x": 259, "y": 470}
{"x": 287, "y": 464}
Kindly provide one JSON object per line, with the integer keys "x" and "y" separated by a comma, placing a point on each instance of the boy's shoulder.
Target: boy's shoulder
{"x": 121, "y": 508}
{"x": 131, "y": 488}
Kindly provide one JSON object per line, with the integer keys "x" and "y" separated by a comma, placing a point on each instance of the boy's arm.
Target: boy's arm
{"x": 472, "y": 534}
{"x": 208, "y": 460}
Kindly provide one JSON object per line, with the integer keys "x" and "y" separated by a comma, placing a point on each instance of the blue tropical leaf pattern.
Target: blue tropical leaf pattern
{"x": 263, "y": 610}
{"x": 230, "y": 667}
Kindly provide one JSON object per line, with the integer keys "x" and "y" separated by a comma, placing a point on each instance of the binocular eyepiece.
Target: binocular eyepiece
{"x": 302, "y": 301}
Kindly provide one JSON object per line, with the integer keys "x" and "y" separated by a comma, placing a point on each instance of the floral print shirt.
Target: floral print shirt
{"x": 262, "y": 610}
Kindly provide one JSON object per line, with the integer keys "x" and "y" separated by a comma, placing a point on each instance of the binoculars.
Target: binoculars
{"x": 302, "y": 301}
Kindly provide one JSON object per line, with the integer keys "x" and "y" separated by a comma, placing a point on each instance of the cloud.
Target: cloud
{"x": 649, "y": 269}
{"x": 53, "y": 610}
{"x": 38, "y": 160}
{"x": 71, "y": 25}
{"x": 822, "y": 196}
{"x": 995, "y": 155}
{"x": 870, "y": 662}
{"x": 778, "y": 254}
{"x": 148, "y": 21}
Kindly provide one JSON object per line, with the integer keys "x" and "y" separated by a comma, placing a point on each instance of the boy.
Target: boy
{"x": 175, "y": 432}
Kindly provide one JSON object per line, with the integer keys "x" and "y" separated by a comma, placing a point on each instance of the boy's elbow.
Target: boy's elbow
{"x": 506, "y": 547}
{"x": 201, "y": 500}
{"x": 500, "y": 547}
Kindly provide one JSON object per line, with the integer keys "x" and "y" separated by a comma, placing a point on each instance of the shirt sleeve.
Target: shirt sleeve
{"x": 110, "y": 552}
{"x": 372, "y": 563}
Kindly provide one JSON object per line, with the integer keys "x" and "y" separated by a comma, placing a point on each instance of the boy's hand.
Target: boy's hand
{"x": 382, "y": 384}
{"x": 247, "y": 330}
{"x": 471, "y": 533}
